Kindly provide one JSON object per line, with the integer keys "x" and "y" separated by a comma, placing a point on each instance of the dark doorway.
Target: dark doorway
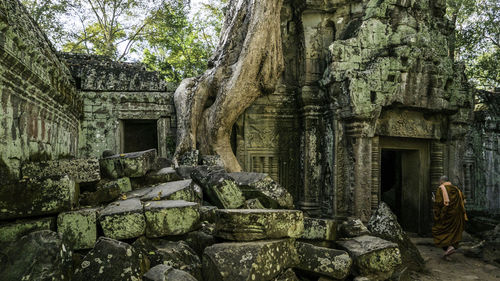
{"x": 139, "y": 135}
{"x": 400, "y": 185}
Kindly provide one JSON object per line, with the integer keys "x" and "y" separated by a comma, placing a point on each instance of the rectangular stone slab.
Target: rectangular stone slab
{"x": 133, "y": 165}
{"x": 123, "y": 219}
{"x": 255, "y": 224}
{"x": 247, "y": 261}
{"x": 170, "y": 217}
{"x": 79, "y": 228}
{"x": 263, "y": 187}
{"x": 12, "y": 231}
{"x": 36, "y": 198}
{"x": 323, "y": 261}
{"x": 79, "y": 170}
{"x": 319, "y": 229}
{"x": 176, "y": 190}
{"x": 372, "y": 256}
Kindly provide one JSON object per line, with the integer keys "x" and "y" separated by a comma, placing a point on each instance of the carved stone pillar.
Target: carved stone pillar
{"x": 437, "y": 163}
{"x": 361, "y": 143}
{"x": 312, "y": 113}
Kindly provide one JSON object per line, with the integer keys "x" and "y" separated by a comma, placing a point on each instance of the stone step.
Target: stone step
{"x": 322, "y": 261}
{"x": 170, "y": 217}
{"x": 255, "y": 224}
{"x": 246, "y": 261}
{"x": 263, "y": 187}
{"x": 373, "y": 257}
{"x": 79, "y": 170}
{"x": 177, "y": 190}
{"x": 123, "y": 219}
{"x": 133, "y": 165}
{"x": 37, "y": 198}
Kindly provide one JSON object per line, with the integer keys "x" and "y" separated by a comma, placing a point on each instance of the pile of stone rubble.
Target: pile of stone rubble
{"x": 132, "y": 217}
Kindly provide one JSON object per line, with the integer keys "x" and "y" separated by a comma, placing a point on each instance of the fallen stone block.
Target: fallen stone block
{"x": 247, "y": 225}
{"x": 133, "y": 165}
{"x": 199, "y": 241}
{"x": 123, "y": 219}
{"x": 253, "y": 204}
{"x": 79, "y": 170}
{"x": 373, "y": 257}
{"x": 111, "y": 260}
{"x": 207, "y": 213}
{"x": 219, "y": 188}
{"x": 13, "y": 231}
{"x": 162, "y": 176}
{"x": 79, "y": 228}
{"x": 170, "y": 217}
{"x": 164, "y": 272}
{"x": 319, "y": 229}
{"x": 288, "y": 275}
{"x": 175, "y": 254}
{"x": 184, "y": 172}
{"x": 176, "y": 190}
{"x": 246, "y": 261}
{"x": 106, "y": 191}
{"x": 323, "y": 261}
{"x": 212, "y": 160}
{"x": 36, "y": 198}
{"x": 190, "y": 158}
{"x": 353, "y": 227}
{"x": 263, "y": 187}
{"x": 40, "y": 255}
{"x": 384, "y": 224}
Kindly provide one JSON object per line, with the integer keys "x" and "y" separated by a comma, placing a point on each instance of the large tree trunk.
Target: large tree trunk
{"x": 248, "y": 62}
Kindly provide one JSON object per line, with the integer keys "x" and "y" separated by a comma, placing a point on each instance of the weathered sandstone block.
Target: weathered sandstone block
{"x": 79, "y": 170}
{"x": 135, "y": 164}
{"x": 79, "y": 228}
{"x": 263, "y": 187}
{"x": 257, "y": 260}
{"x": 323, "y": 261}
{"x": 220, "y": 189}
{"x": 13, "y": 231}
{"x": 40, "y": 255}
{"x": 170, "y": 217}
{"x": 373, "y": 257}
{"x": 111, "y": 260}
{"x": 35, "y": 198}
{"x": 175, "y": 254}
{"x": 163, "y": 272}
{"x": 176, "y": 190}
{"x": 164, "y": 175}
{"x": 246, "y": 225}
{"x": 123, "y": 219}
{"x": 319, "y": 229}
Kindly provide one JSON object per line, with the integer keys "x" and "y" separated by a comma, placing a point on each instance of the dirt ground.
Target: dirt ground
{"x": 457, "y": 267}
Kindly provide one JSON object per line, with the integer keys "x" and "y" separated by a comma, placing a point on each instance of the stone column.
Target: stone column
{"x": 312, "y": 150}
{"x": 163, "y": 129}
{"x": 360, "y": 139}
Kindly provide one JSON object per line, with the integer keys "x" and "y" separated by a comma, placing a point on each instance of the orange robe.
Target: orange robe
{"x": 449, "y": 221}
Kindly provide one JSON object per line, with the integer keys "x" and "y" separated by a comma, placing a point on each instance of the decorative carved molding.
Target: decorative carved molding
{"x": 375, "y": 173}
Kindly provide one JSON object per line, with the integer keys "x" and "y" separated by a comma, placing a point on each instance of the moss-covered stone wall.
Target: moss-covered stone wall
{"x": 116, "y": 91}
{"x": 39, "y": 107}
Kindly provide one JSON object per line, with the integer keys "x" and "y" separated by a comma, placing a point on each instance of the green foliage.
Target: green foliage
{"x": 47, "y": 14}
{"x": 478, "y": 39}
{"x": 178, "y": 47}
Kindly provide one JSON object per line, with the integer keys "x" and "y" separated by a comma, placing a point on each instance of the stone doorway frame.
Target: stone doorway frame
{"x": 423, "y": 146}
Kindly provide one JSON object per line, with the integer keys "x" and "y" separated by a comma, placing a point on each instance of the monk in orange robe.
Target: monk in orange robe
{"x": 449, "y": 216}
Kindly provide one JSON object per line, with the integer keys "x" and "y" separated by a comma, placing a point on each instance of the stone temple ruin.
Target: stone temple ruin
{"x": 370, "y": 108}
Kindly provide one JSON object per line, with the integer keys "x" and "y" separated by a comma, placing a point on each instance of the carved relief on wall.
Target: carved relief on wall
{"x": 411, "y": 124}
